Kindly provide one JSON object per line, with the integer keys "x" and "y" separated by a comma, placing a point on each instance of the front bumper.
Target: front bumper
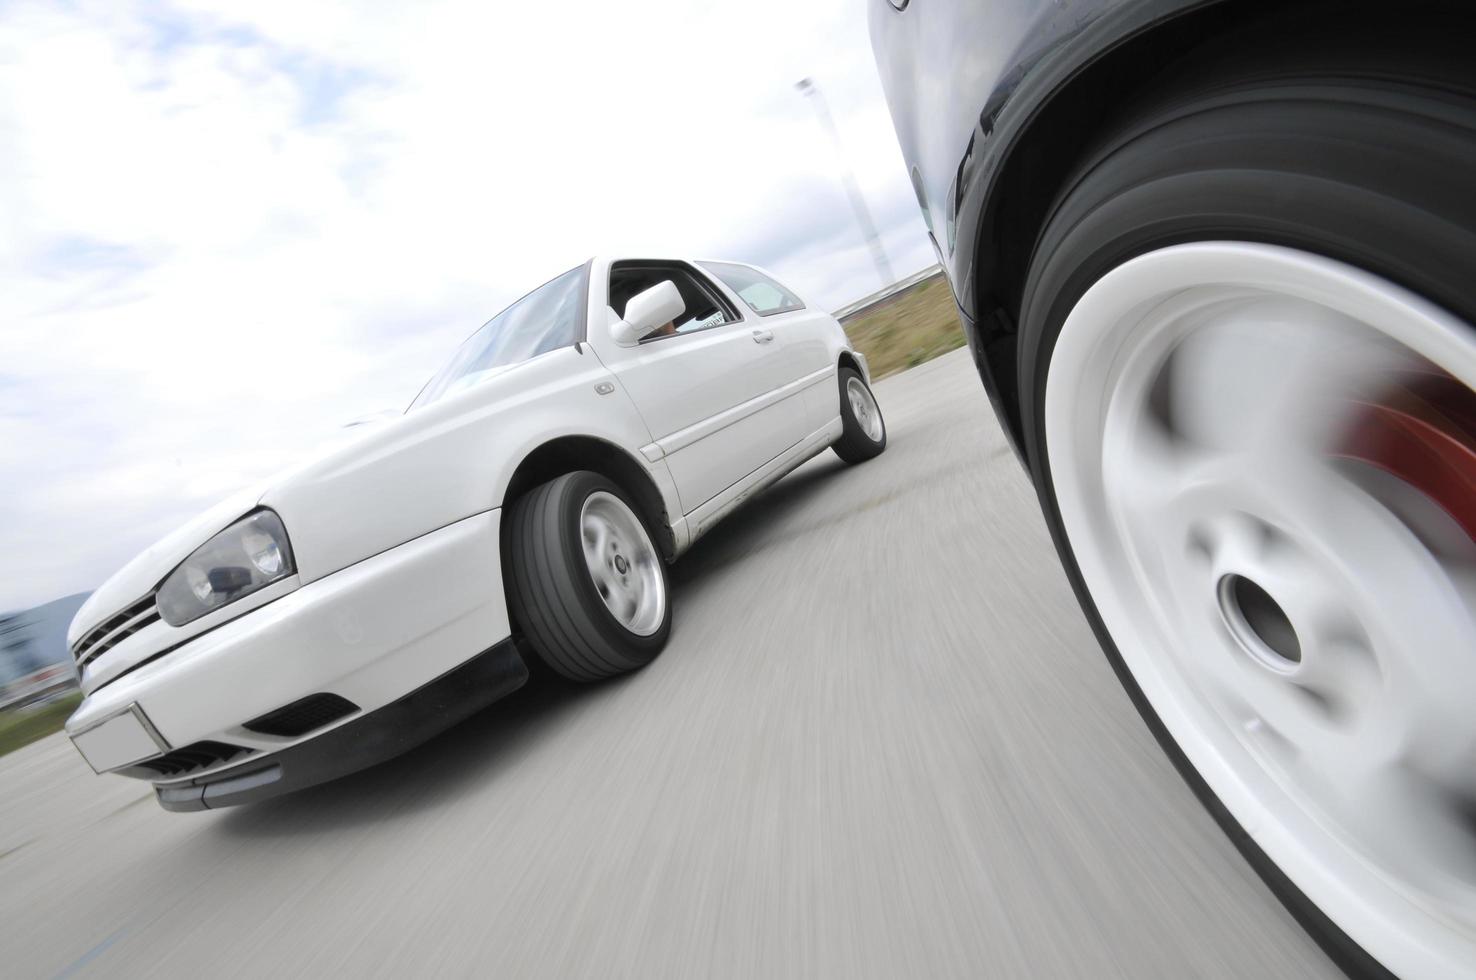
{"x": 370, "y": 634}
{"x": 366, "y": 739}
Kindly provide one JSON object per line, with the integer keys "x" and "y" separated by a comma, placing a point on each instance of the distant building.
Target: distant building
{"x": 35, "y": 639}
{"x": 18, "y": 645}
{"x": 38, "y": 687}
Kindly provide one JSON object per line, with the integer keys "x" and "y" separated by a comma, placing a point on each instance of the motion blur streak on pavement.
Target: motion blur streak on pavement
{"x": 882, "y": 743}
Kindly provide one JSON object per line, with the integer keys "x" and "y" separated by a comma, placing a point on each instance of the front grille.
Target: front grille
{"x": 182, "y": 762}
{"x": 109, "y": 633}
{"x": 302, "y": 716}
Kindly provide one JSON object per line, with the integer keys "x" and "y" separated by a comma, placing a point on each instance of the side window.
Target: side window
{"x": 705, "y": 305}
{"x": 762, "y": 294}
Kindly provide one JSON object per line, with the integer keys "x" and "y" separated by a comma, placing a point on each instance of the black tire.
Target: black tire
{"x": 552, "y": 596}
{"x": 855, "y": 445}
{"x": 1350, "y": 165}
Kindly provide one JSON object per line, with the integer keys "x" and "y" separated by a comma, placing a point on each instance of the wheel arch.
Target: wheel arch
{"x": 567, "y": 453}
{"x": 849, "y": 359}
{"x": 1047, "y": 137}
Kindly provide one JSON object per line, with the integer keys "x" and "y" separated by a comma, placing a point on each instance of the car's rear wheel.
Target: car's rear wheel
{"x": 1247, "y": 367}
{"x": 586, "y": 584}
{"x": 863, "y": 430}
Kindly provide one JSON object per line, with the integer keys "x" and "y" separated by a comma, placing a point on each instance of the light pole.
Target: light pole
{"x": 853, "y": 190}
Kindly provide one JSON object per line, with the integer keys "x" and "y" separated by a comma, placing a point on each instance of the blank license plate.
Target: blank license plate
{"x": 120, "y": 741}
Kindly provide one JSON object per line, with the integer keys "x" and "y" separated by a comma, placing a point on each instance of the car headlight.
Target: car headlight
{"x": 247, "y": 556}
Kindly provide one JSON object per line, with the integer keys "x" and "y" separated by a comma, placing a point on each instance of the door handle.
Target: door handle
{"x": 762, "y": 336}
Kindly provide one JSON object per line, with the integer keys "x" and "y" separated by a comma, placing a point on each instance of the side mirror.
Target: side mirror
{"x": 646, "y": 311}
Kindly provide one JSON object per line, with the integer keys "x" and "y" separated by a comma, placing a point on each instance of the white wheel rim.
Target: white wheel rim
{"x": 1342, "y": 752}
{"x": 622, "y": 563}
{"x": 863, "y": 409}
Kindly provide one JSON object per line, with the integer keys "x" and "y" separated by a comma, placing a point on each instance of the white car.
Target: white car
{"x": 526, "y": 504}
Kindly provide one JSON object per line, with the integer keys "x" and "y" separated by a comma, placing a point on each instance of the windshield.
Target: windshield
{"x": 546, "y": 319}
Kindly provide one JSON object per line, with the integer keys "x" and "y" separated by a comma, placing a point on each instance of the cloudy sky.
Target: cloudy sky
{"x": 226, "y": 229}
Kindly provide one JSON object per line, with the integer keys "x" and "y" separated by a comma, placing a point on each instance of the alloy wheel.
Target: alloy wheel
{"x": 1264, "y": 463}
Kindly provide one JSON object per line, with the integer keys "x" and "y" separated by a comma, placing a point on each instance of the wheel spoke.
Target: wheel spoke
{"x": 1276, "y": 378}
{"x": 863, "y": 409}
{"x": 597, "y": 538}
{"x": 614, "y": 539}
{"x": 1159, "y": 489}
{"x": 1152, "y": 471}
{"x": 1413, "y": 823}
{"x": 1265, "y": 706}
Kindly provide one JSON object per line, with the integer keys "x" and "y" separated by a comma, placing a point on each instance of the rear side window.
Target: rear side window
{"x": 763, "y": 295}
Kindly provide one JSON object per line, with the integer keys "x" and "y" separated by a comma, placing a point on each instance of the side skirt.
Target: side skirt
{"x": 702, "y": 520}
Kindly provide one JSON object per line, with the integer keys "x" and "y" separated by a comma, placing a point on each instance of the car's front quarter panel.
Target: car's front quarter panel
{"x": 443, "y": 462}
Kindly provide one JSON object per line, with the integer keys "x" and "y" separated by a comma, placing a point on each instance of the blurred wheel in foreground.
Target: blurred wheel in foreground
{"x": 1248, "y": 369}
{"x": 1270, "y": 523}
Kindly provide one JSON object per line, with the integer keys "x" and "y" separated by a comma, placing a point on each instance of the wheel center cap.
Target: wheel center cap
{"x": 1258, "y": 623}
{"x": 621, "y": 565}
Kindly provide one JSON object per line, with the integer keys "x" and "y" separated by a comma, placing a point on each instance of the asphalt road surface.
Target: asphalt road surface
{"x": 882, "y": 743}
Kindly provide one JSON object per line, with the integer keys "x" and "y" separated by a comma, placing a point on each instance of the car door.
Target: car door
{"x": 710, "y": 386}
{"x": 802, "y": 350}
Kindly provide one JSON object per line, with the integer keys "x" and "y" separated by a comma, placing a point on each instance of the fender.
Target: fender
{"x": 978, "y": 174}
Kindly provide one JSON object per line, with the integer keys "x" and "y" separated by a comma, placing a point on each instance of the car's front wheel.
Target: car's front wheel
{"x": 1250, "y": 406}
{"x": 586, "y": 584}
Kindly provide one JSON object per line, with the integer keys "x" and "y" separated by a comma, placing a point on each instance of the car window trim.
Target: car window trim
{"x": 690, "y": 333}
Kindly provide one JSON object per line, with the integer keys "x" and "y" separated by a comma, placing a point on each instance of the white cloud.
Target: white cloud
{"x": 230, "y": 228}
